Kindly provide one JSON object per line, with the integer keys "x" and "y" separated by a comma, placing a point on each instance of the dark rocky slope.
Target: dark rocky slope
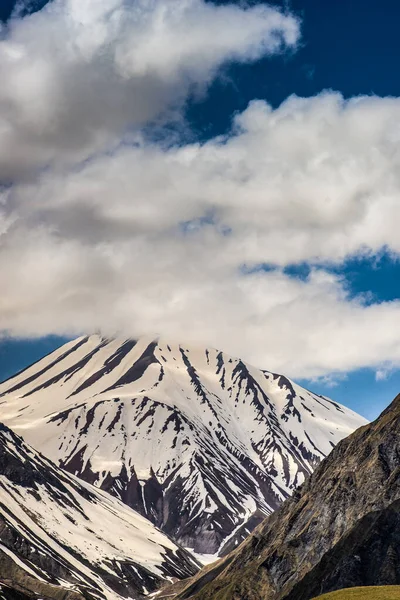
{"x": 340, "y": 529}
{"x": 368, "y": 555}
{"x": 17, "y": 584}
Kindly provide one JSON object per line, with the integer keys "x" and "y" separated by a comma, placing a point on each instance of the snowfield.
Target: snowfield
{"x": 89, "y": 540}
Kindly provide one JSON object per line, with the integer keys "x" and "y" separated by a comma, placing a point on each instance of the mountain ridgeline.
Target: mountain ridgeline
{"x": 340, "y": 529}
{"x": 198, "y": 442}
{"x": 62, "y": 538}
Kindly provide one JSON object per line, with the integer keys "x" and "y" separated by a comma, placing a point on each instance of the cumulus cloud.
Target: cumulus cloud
{"x": 169, "y": 240}
{"x": 101, "y": 228}
{"x": 78, "y": 74}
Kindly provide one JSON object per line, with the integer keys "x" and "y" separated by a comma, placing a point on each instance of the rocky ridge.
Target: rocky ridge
{"x": 340, "y": 529}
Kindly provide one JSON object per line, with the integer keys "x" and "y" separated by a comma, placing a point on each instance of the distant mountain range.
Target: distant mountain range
{"x": 198, "y": 442}
{"x": 340, "y": 529}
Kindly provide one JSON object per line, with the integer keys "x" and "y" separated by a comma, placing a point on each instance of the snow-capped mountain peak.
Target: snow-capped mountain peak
{"x": 199, "y": 442}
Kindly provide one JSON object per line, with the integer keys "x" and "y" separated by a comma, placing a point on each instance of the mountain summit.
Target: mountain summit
{"x": 202, "y": 444}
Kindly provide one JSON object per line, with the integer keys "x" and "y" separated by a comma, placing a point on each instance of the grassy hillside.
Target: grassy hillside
{"x": 389, "y": 592}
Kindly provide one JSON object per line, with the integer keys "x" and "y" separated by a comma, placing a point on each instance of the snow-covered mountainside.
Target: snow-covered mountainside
{"x": 200, "y": 443}
{"x": 57, "y": 531}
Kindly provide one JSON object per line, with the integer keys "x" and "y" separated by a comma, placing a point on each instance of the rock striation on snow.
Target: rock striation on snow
{"x": 62, "y": 538}
{"x": 200, "y": 443}
{"x": 340, "y": 529}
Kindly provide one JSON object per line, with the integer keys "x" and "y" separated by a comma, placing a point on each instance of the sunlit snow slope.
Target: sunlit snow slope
{"x": 199, "y": 442}
{"x": 58, "y": 530}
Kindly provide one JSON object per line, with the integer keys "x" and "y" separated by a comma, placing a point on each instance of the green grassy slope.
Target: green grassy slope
{"x": 388, "y": 592}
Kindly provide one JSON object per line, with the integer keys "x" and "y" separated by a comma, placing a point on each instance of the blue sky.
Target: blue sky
{"x": 349, "y": 47}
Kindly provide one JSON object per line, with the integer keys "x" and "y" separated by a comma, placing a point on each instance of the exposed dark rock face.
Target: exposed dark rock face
{"x": 63, "y": 539}
{"x": 200, "y": 443}
{"x": 340, "y": 529}
{"x": 17, "y": 584}
{"x": 368, "y": 555}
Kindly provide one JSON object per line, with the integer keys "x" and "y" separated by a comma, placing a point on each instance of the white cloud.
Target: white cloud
{"x": 75, "y": 75}
{"x": 150, "y": 238}
{"x": 384, "y": 372}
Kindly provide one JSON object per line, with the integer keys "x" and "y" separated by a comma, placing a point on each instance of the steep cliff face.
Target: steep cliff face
{"x": 200, "y": 443}
{"x": 323, "y": 537}
{"x": 63, "y": 539}
{"x": 367, "y": 555}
